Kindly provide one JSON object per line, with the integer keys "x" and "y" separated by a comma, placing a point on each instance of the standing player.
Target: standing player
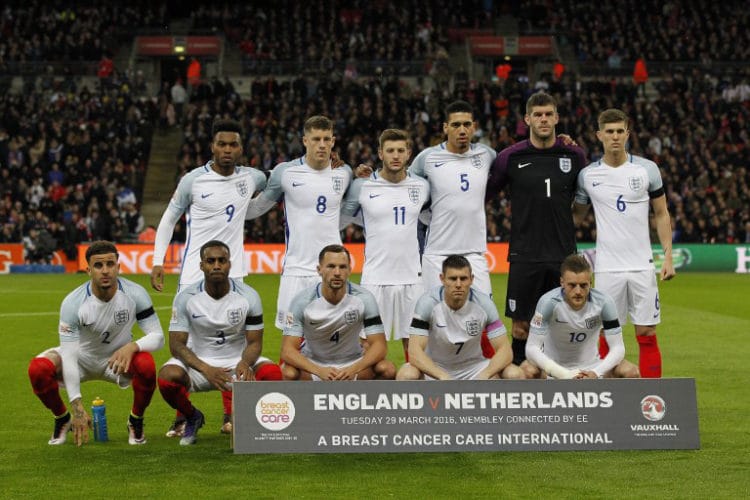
{"x": 457, "y": 172}
{"x": 446, "y": 331}
{"x": 215, "y": 336}
{"x": 390, "y": 202}
{"x": 620, "y": 187}
{"x": 312, "y": 193}
{"x": 96, "y": 343}
{"x": 329, "y": 316}
{"x": 541, "y": 173}
{"x": 215, "y": 198}
{"x": 565, "y": 329}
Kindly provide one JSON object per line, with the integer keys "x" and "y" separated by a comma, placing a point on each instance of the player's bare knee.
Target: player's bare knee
{"x": 173, "y": 373}
{"x": 385, "y": 370}
{"x": 520, "y": 329}
{"x": 289, "y": 372}
{"x": 530, "y": 370}
{"x": 366, "y": 374}
{"x": 408, "y": 372}
{"x": 627, "y": 370}
{"x": 513, "y": 372}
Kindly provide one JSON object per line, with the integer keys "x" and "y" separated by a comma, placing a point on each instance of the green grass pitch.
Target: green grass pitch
{"x": 704, "y": 334}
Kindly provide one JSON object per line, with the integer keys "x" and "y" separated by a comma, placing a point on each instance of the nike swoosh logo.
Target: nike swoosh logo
{"x": 521, "y": 165}
{"x": 89, "y": 324}
{"x": 297, "y": 184}
{"x": 196, "y": 316}
{"x": 204, "y": 195}
{"x": 558, "y": 321}
{"x": 374, "y": 196}
{"x": 440, "y": 326}
{"x": 313, "y": 323}
{"x": 594, "y": 184}
{"x": 438, "y": 165}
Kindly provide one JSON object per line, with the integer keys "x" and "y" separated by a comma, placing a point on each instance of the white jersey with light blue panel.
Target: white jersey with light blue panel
{"x": 331, "y": 331}
{"x": 390, "y": 211}
{"x": 215, "y": 206}
{"x": 621, "y": 198}
{"x": 458, "y": 182}
{"x": 312, "y": 210}
{"x": 570, "y": 337}
{"x": 454, "y": 337}
{"x": 216, "y": 327}
{"x": 93, "y": 329}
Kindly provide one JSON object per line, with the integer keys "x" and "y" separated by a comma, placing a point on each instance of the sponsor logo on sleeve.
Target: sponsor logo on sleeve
{"x": 536, "y": 321}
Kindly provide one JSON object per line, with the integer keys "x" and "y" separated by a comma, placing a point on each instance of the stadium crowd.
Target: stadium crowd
{"x": 71, "y": 158}
{"x": 697, "y": 136}
{"x": 38, "y": 31}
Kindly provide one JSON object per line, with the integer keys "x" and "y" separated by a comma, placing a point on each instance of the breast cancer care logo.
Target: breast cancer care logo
{"x": 275, "y": 411}
{"x": 653, "y": 408}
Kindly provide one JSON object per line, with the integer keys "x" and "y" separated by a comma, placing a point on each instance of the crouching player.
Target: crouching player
{"x": 446, "y": 332}
{"x": 564, "y": 335}
{"x": 215, "y": 337}
{"x": 96, "y": 343}
{"x": 329, "y": 318}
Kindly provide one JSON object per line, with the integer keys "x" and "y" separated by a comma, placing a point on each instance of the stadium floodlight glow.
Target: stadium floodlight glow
{"x": 179, "y": 49}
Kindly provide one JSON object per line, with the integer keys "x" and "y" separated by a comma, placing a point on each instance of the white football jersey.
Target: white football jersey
{"x": 621, "y": 198}
{"x": 103, "y": 327}
{"x": 457, "y": 187}
{"x": 331, "y": 331}
{"x": 93, "y": 329}
{"x": 216, "y": 328}
{"x": 390, "y": 212}
{"x": 571, "y": 338}
{"x": 312, "y": 205}
{"x": 454, "y": 337}
{"x": 215, "y": 206}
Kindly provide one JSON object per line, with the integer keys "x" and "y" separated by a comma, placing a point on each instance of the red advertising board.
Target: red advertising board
{"x": 510, "y": 45}
{"x": 164, "y": 45}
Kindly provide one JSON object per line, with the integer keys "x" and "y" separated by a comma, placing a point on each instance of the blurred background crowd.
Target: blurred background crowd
{"x": 74, "y": 151}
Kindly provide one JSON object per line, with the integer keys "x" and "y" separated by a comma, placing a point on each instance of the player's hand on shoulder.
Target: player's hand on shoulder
{"x": 363, "y": 171}
{"x": 567, "y": 140}
{"x": 157, "y": 278}
{"x": 336, "y": 161}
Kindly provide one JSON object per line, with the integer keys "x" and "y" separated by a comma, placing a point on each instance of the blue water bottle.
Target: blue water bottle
{"x": 99, "y": 412}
